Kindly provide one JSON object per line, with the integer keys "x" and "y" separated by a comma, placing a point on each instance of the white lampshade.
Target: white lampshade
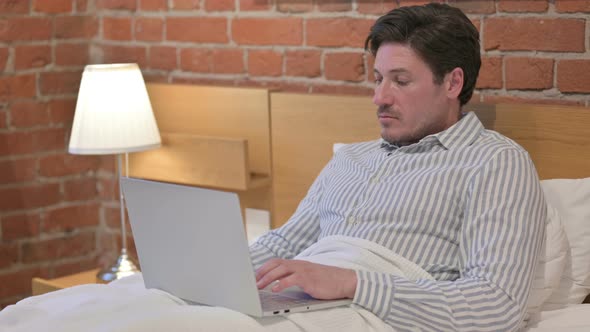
{"x": 113, "y": 112}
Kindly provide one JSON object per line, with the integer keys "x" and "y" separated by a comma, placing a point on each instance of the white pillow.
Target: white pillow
{"x": 552, "y": 260}
{"x": 571, "y": 198}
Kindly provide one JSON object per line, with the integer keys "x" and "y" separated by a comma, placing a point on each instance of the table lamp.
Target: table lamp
{"x": 114, "y": 116}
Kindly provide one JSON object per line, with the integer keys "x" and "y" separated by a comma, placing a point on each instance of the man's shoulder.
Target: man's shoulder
{"x": 495, "y": 140}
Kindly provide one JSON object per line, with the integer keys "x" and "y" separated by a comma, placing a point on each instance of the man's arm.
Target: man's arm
{"x": 501, "y": 236}
{"x": 298, "y": 233}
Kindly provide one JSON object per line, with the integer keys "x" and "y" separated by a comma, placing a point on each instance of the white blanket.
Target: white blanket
{"x": 359, "y": 254}
{"x": 126, "y": 305}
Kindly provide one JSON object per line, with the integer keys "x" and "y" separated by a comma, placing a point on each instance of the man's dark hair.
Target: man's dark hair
{"x": 440, "y": 34}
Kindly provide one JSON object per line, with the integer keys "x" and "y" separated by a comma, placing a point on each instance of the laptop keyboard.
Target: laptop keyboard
{"x": 276, "y": 300}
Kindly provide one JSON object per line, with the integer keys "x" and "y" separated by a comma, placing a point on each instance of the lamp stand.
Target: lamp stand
{"x": 124, "y": 265}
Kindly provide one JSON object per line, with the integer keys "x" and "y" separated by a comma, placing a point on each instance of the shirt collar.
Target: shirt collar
{"x": 462, "y": 133}
{"x": 385, "y": 145}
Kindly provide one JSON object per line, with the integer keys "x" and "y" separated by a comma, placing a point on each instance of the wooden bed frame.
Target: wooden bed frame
{"x": 269, "y": 146}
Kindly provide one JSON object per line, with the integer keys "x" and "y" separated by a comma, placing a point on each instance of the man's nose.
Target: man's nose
{"x": 382, "y": 95}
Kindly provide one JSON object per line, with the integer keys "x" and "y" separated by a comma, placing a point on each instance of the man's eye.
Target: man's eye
{"x": 402, "y": 83}
{"x": 378, "y": 81}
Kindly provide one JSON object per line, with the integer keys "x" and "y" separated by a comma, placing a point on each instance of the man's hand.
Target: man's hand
{"x": 320, "y": 281}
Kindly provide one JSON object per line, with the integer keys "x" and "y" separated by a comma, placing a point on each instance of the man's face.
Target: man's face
{"x": 411, "y": 105}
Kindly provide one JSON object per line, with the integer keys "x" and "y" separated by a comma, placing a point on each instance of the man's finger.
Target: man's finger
{"x": 279, "y": 272}
{"x": 286, "y": 282}
{"x": 268, "y": 266}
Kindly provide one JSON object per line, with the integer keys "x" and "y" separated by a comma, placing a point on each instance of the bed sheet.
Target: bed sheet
{"x": 575, "y": 318}
{"x": 126, "y": 306}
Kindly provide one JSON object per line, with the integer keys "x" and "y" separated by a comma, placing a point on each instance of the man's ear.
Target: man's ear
{"x": 454, "y": 83}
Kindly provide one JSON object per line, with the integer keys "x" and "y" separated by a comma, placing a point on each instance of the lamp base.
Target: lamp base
{"x": 123, "y": 267}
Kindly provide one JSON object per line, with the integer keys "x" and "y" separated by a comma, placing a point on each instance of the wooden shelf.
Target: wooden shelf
{"x": 42, "y": 286}
{"x": 198, "y": 160}
{"x": 259, "y": 181}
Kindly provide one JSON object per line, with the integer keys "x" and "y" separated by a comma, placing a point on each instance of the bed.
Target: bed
{"x": 278, "y": 143}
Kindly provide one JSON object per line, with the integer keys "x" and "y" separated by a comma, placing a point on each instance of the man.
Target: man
{"x": 461, "y": 202}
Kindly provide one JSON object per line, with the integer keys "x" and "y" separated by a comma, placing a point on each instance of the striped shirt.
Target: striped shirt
{"x": 464, "y": 204}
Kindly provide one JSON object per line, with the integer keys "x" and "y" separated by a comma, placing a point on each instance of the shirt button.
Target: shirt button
{"x": 351, "y": 220}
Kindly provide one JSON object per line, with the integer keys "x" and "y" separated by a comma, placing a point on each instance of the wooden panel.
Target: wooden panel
{"x": 259, "y": 197}
{"x": 189, "y": 159}
{"x": 240, "y": 113}
{"x": 556, "y": 137}
{"x": 304, "y": 128}
{"x": 42, "y": 286}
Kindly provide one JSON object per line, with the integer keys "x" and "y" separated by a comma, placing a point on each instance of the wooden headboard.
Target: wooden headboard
{"x": 217, "y": 137}
{"x": 270, "y": 146}
{"x": 304, "y": 128}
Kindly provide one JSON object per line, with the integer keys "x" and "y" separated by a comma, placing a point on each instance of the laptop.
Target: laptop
{"x": 192, "y": 244}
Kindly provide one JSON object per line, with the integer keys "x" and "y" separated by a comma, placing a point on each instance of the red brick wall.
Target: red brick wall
{"x": 59, "y": 213}
{"x": 52, "y": 204}
{"x": 533, "y": 50}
